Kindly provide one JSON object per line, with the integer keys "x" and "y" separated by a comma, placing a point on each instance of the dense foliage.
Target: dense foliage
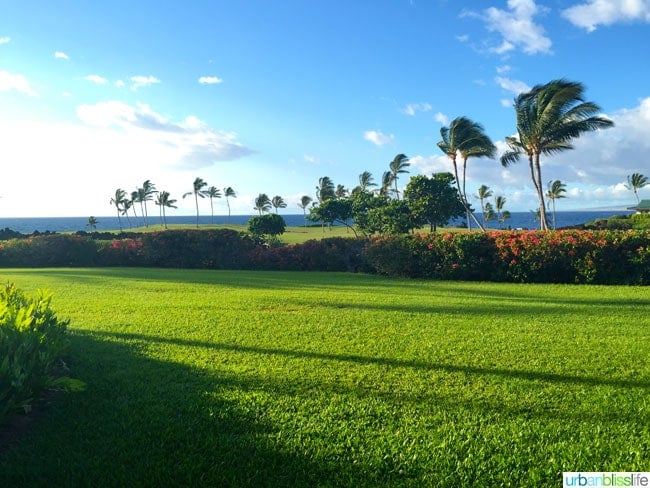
{"x": 32, "y": 340}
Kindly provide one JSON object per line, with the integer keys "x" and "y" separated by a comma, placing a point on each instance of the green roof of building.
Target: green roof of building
{"x": 644, "y": 205}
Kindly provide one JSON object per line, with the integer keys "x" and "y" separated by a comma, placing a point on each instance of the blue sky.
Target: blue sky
{"x": 270, "y": 96}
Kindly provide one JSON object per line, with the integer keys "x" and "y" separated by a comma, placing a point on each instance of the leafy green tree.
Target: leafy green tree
{"x": 164, "y": 201}
{"x": 305, "y": 200}
{"x": 278, "y": 202}
{"x": 555, "y": 190}
{"x": 483, "y": 194}
{"x": 228, "y": 192}
{"x": 433, "y": 201}
{"x": 549, "y": 117}
{"x": 332, "y": 211}
{"x": 198, "y": 192}
{"x": 394, "y": 217}
{"x": 362, "y": 205}
{"x": 271, "y": 225}
{"x": 262, "y": 203}
{"x": 118, "y": 200}
{"x": 92, "y": 223}
{"x": 325, "y": 189}
{"x": 635, "y": 182}
{"x": 212, "y": 193}
{"x": 466, "y": 138}
{"x": 397, "y": 167}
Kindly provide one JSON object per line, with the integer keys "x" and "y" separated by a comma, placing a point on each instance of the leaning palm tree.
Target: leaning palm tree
{"x": 145, "y": 194}
{"x": 197, "y": 191}
{"x": 636, "y": 181}
{"x": 555, "y": 190}
{"x": 229, "y": 192}
{"x": 398, "y": 166}
{"x": 118, "y": 200}
{"x": 212, "y": 193}
{"x": 483, "y": 194}
{"x": 548, "y": 118}
{"x": 466, "y": 138}
{"x": 278, "y": 202}
{"x": 135, "y": 198}
{"x": 325, "y": 189}
{"x": 163, "y": 200}
{"x": 366, "y": 181}
{"x": 305, "y": 200}
{"x": 499, "y": 203}
{"x": 489, "y": 214}
{"x": 262, "y": 203}
{"x": 386, "y": 181}
{"x": 126, "y": 206}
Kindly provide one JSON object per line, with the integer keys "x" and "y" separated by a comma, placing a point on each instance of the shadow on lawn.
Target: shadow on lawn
{"x": 143, "y": 422}
{"x": 397, "y": 363}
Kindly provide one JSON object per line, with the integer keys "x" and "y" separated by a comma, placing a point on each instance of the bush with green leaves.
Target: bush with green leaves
{"x": 48, "y": 250}
{"x": 268, "y": 225}
{"x": 32, "y": 341}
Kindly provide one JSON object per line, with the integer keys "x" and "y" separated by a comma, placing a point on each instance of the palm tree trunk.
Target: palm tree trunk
{"x": 211, "y": 212}
{"x": 462, "y": 199}
{"x": 196, "y": 199}
{"x": 469, "y": 224}
{"x": 542, "y": 204}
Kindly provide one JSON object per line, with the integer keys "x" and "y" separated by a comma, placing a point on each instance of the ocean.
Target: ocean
{"x": 523, "y": 220}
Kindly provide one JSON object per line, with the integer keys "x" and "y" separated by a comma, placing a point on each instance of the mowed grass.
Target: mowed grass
{"x": 219, "y": 378}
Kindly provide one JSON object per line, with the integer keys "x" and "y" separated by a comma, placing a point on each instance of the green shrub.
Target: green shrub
{"x": 32, "y": 339}
{"x": 48, "y": 250}
{"x": 640, "y": 221}
{"x": 271, "y": 225}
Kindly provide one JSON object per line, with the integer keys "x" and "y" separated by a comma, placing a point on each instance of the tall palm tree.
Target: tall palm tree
{"x": 386, "y": 181}
{"x": 466, "y": 138}
{"x": 548, "y": 118}
{"x": 126, "y": 206}
{"x": 229, "y": 192}
{"x": 635, "y": 182}
{"x": 483, "y": 194}
{"x": 305, "y": 200}
{"x": 118, "y": 200}
{"x": 197, "y": 191}
{"x": 145, "y": 194}
{"x": 163, "y": 200}
{"x": 212, "y": 193}
{"x": 499, "y": 203}
{"x": 135, "y": 198}
{"x": 325, "y": 189}
{"x": 262, "y": 203}
{"x": 366, "y": 181}
{"x": 341, "y": 191}
{"x": 555, "y": 190}
{"x": 489, "y": 214}
{"x": 398, "y": 166}
{"x": 278, "y": 202}
{"x": 92, "y": 223}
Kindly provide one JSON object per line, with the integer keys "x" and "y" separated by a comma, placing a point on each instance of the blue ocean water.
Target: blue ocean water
{"x": 524, "y": 220}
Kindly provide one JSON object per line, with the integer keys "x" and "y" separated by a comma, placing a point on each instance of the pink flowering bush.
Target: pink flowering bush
{"x": 48, "y": 250}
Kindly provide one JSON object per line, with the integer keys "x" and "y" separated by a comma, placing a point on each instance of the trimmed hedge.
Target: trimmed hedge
{"x": 567, "y": 256}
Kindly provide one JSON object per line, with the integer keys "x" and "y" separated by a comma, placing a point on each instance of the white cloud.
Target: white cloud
{"x": 60, "y": 55}
{"x": 506, "y": 102}
{"x": 514, "y": 86}
{"x": 592, "y": 13}
{"x": 120, "y": 84}
{"x": 428, "y": 165}
{"x": 11, "y": 81}
{"x": 412, "y": 108}
{"x": 503, "y": 69}
{"x": 378, "y": 138}
{"x": 5, "y": 40}
{"x": 462, "y": 38}
{"x": 99, "y": 80}
{"x": 210, "y": 80}
{"x": 442, "y": 118}
{"x": 311, "y": 159}
{"x": 517, "y": 28}
{"x": 140, "y": 81}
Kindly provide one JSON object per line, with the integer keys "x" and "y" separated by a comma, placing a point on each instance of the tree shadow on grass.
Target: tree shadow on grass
{"x": 143, "y": 422}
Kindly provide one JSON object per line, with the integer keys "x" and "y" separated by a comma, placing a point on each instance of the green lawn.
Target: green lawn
{"x": 220, "y": 378}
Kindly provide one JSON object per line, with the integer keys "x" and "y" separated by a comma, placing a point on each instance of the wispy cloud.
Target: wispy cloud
{"x": 11, "y": 81}
{"x": 513, "y": 86}
{"x": 442, "y": 118}
{"x": 210, "y": 80}
{"x": 592, "y": 13}
{"x": 5, "y": 40}
{"x": 378, "y": 138}
{"x": 98, "y": 80}
{"x": 412, "y": 108}
{"x": 60, "y": 55}
{"x": 311, "y": 159}
{"x": 516, "y": 27}
{"x": 120, "y": 84}
{"x": 140, "y": 81}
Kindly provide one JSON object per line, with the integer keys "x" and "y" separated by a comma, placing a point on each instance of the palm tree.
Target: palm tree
{"x": 305, "y": 200}
{"x": 163, "y": 200}
{"x": 197, "y": 191}
{"x": 386, "y": 181}
{"x": 635, "y": 182}
{"x": 145, "y": 194}
{"x": 92, "y": 223}
{"x": 229, "y": 192}
{"x": 505, "y": 215}
{"x": 366, "y": 181}
{"x": 555, "y": 190}
{"x": 278, "y": 202}
{"x": 466, "y": 138}
{"x": 126, "y": 206}
{"x": 262, "y": 203}
{"x": 118, "y": 200}
{"x": 341, "y": 191}
{"x": 489, "y": 214}
{"x": 499, "y": 203}
{"x": 483, "y": 194}
{"x": 548, "y": 118}
{"x": 213, "y": 192}
{"x": 325, "y": 189}
{"x": 397, "y": 166}
{"x": 135, "y": 198}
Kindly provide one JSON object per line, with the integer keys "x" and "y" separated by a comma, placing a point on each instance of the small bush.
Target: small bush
{"x": 32, "y": 339}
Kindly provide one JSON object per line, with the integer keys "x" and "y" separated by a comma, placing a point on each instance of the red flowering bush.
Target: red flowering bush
{"x": 48, "y": 250}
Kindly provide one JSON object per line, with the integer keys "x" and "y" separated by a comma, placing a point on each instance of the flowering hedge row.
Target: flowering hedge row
{"x": 607, "y": 257}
